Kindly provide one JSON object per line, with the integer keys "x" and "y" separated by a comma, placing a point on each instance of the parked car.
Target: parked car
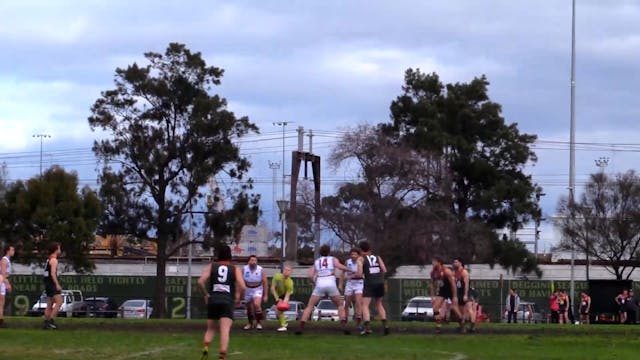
{"x": 526, "y": 313}
{"x": 135, "y": 309}
{"x": 325, "y": 310}
{"x": 72, "y": 303}
{"x": 100, "y": 307}
{"x": 419, "y": 308}
{"x": 296, "y": 308}
{"x": 240, "y": 311}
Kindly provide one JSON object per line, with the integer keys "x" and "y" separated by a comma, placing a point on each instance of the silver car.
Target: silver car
{"x": 526, "y": 313}
{"x": 296, "y": 308}
{"x": 135, "y": 309}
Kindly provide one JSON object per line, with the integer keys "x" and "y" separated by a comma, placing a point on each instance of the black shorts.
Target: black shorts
{"x": 51, "y": 290}
{"x": 461, "y": 301}
{"x": 217, "y": 310}
{"x": 445, "y": 292}
{"x": 373, "y": 290}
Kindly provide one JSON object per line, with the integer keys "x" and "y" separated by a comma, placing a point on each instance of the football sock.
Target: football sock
{"x": 282, "y": 319}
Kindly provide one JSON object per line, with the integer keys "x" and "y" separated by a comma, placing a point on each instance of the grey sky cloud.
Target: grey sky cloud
{"x": 328, "y": 65}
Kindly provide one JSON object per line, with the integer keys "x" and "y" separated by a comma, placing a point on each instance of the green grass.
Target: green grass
{"x": 170, "y": 339}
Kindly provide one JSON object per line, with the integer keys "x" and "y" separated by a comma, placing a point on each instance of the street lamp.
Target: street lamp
{"x": 283, "y": 205}
{"x": 602, "y": 162}
{"x": 41, "y": 136}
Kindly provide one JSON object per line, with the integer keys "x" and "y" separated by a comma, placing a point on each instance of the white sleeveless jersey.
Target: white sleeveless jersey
{"x": 352, "y": 267}
{"x": 8, "y": 264}
{"x": 324, "y": 266}
{"x": 252, "y": 278}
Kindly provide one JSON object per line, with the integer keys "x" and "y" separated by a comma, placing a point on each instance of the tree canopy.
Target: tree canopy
{"x": 440, "y": 177}
{"x": 167, "y": 135}
{"x": 48, "y": 209}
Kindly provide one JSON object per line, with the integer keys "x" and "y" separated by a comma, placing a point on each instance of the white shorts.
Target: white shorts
{"x": 354, "y": 287}
{"x": 253, "y": 293}
{"x": 326, "y": 286}
{"x": 3, "y": 289}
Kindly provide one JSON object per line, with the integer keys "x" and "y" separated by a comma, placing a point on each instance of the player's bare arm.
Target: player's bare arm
{"x": 465, "y": 278}
{"x": 273, "y": 290}
{"x": 204, "y": 277}
{"x": 265, "y": 294}
{"x": 4, "y": 277}
{"x": 240, "y": 286}
{"x": 383, "y": 267}
{"x": 311, "y": 274}
{"x": 338, "y": 265}
{"x": 54, "y": 273}
{"x": 359, "y": 268}
{"x": 452, "y": 282}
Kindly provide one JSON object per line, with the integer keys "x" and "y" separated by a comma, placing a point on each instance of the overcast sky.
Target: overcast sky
{"x": 328, "y": 65}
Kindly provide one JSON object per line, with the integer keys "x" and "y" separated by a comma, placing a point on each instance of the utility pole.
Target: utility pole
{"x": 41, "y": 136}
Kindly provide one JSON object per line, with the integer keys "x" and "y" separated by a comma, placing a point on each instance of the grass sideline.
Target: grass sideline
{"x": 181, "y": 339}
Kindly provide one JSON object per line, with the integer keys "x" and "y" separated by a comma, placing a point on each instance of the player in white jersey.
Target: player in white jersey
{"x": 256, "y": 284}
{"x": 5, "y": 285}
{"x": 322, "y": 275}
{"x": 354, "y": 285}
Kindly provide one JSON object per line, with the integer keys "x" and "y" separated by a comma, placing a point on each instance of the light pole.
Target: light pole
{"x": 189, "y": 261}
{"x": 572, "y": 144}
{"x": 602, "y": 163}
{"x": 275, "y": 166}
{"x": 41, "y": 136}
{"x": 283, "y": 205}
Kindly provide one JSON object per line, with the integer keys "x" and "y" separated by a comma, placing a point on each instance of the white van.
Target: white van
{"x": 72, "y": 302}
{"x": 419, "y": 308}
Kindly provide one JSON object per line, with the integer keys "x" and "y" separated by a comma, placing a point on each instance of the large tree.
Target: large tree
{"x": 440, "y": 178}
{"x": 49, "y": 208}
{"x": 604, "y": 223}
{"x": 386, "y": 203}
{"x": 483, "y": 155}
{"x": 167, "y": 135}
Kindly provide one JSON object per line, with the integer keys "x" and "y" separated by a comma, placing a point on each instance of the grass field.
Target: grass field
{"x": 164, "y": 339}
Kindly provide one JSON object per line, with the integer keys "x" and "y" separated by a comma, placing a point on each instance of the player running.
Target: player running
{"x": 222, "y": 286}
{"x": 256, "y": 281}
{"x": 354, "y": 285}
{"x": 322, "y": 274}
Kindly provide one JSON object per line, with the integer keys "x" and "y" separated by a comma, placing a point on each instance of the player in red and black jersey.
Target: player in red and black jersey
{"x": 222, "y": 285}
{"x": 443, "y": 290}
